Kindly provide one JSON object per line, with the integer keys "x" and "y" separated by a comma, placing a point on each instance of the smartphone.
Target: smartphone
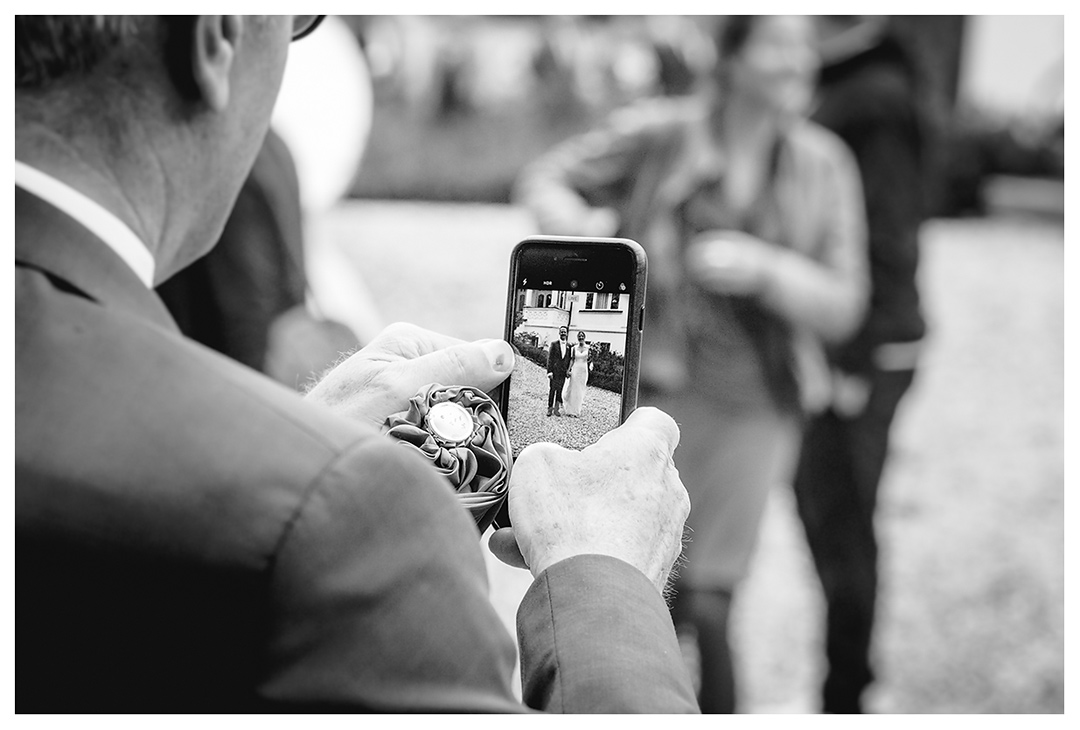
{"x": 574, "y": 314}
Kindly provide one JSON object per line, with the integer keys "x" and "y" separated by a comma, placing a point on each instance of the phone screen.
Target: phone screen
{"x": 573, "y": 319}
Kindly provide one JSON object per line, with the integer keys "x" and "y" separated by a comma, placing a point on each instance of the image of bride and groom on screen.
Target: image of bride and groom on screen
{"x": 568, "y": 369}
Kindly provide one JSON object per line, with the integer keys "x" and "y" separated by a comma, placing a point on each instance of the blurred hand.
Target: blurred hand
{"x": 576, "y": 220}
{"x": 379, "y": 379}
{"x": 600, "y": 223}
{"x": 730, "y": 262}
{"x": 621, "y": 497}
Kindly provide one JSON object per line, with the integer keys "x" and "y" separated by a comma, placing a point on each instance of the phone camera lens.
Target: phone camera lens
{"x": 599, "y": 285}
{"x": 573, "y": 283}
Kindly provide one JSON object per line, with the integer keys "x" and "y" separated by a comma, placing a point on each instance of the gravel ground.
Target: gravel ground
{"x": 972, "y": 505}
{"x": 529, "y": 422}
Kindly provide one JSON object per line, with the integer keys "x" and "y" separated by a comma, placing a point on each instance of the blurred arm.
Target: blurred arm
{"x": 827, "y": 296}
{"x": 575, "y": 189}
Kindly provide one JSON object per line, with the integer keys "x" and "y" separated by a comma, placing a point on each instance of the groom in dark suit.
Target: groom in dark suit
{"x": 558, "y": 362}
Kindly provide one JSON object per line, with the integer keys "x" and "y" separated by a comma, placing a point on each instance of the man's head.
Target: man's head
{"x": 158, "y": 118}
{"x": 562, "y": 333}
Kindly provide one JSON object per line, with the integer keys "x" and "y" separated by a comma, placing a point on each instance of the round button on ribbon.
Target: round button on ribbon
{"x": 450, "y": 423}
{"x": 462, "y": 434}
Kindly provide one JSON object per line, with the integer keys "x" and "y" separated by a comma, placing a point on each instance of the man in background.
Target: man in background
{"x": 193, "y": 537}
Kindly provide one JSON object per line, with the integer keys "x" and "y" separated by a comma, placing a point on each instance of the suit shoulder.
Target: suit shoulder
{"x": 106, "y": 402}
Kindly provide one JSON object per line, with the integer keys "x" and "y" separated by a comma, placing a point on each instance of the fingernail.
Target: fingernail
{"x": 499, "y": 354}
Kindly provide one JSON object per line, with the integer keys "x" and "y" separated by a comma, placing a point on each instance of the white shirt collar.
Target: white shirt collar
{"x": 99, "y": 221}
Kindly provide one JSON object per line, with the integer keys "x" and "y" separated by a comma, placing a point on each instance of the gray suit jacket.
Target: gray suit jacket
{"x": 192, "y": 537}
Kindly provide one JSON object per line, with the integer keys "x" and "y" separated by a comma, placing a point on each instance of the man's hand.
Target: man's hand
{"x": 730, "y": 262}
{"x": 379, "y": 379}
{"x": 621, "y": 497}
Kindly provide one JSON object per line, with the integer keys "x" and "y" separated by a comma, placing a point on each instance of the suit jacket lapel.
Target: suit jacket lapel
{"x": 51, "y": 241}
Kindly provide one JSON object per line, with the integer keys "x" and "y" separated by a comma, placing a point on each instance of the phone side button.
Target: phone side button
{"x": 641, "y": 319}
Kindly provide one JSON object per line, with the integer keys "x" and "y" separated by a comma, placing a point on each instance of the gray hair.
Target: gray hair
{"x": 52, "y": 47}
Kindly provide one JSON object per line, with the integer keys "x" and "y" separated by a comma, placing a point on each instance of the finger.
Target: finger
{"x": 503, "y": 546}
{"x": 406, "y": 341}
{"x": 482, "y": 364}
{"x": 647, "y": 422}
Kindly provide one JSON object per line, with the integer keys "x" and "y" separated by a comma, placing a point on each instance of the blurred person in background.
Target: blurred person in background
{"x": 193, "y": 537}
{"x": 454, "y": 70}
{"x": 246, "y": 297}
{"x": 753, "y": 220}
{"x": 555, "y": 66}
{"x": 870, "y": 97}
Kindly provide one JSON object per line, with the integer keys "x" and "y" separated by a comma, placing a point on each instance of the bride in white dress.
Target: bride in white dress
{"x": 577, "y": 378}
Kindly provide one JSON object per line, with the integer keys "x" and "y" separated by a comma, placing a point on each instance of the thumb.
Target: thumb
{"x": 503, "y": 545}
{"x": 482, "y": 364}
{"x": 645, "y": 425}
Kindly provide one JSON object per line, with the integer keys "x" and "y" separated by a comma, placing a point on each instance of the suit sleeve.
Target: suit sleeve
{"x": 596, "y": 636}
{"x": 380, "y": 602}
{"x": 381, "y": 597}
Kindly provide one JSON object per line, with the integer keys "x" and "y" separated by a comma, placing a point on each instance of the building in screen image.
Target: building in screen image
{"x": 602, "y": 315}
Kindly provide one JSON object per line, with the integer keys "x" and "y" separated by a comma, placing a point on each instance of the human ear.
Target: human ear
{"x": 214, "y": 44}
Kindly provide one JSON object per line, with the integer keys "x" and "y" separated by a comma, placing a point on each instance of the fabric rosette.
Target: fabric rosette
{"x": 462, "y": 433}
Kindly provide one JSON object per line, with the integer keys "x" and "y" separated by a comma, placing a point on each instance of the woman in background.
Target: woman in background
{"x": 753, "y": 220}
{"x": 577, "y": 378}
